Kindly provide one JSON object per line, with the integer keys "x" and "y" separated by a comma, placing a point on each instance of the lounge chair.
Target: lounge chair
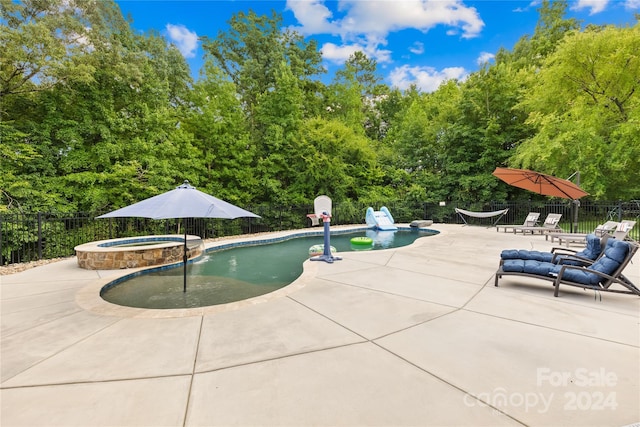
{"x": 567, "y": 238}
{"x": 550, "y": 225}
{"x": 622, "y": 230}
{"x": 600, "y": 275}
{"x": 530, "y": 221}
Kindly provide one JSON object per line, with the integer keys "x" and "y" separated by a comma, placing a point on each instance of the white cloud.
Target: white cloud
{"x": 428, "y": 79}
{"x": 185, "y": 40}
{"x": 417, "y": 48}
{"x": 484, "y": 58}
{"x": 383, "y": 17}
{"x": 368, "y": 23}
{"x": 632, "y": 4}
{"x": 313, "y": 17}
{"x": 533, "y": 4}
{"x": 339, "y": 54}
{"x": 596, "y": 6}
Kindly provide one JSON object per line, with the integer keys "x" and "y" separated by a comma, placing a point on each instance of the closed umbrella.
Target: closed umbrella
{"x": 185, "y": 201}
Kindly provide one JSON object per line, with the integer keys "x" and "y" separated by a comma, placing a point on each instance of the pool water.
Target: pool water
{"x": 239, "y": 273}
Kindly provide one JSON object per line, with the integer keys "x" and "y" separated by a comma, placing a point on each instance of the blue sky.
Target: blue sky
{"x": 420, "y": 42}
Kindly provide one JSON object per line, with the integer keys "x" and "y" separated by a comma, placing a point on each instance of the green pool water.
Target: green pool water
{"x": 239, "y": 273}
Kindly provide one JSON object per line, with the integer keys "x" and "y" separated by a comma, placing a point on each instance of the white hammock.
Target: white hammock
{"x": 499, "y": 214}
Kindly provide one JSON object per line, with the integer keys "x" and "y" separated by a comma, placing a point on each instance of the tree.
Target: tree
{"x": 361, "y": 69}
{"x": 89, "y": 136}
{"x": 251, "y": 51}
{"x": 345, "y": 103}
{"x": 335, "y": 160}
{"x": 550, "y": 29}
{"x": 216, "y": 121}
{"x": 40, "y": 42}
{"x": 448, "y": 142}
{"x": 481, "y": 130}
{"x": 355, "y": 95}
{"x": 585, "y": 108}
{"x": 278, "y": 118}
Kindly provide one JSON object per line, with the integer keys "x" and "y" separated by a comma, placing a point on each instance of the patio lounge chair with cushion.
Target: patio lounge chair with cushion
{"x": 603, "y": 273}
{"x": 567, "y": 238}
{"x": 551, "y": 224}
{"x": 600, "y": 275}
{"x": 530, "y": 221}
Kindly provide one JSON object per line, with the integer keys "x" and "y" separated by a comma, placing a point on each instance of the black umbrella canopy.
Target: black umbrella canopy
{"x": 182, "y": 202}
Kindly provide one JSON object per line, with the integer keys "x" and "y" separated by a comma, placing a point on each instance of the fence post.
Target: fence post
{"x": 39, "y": 235}
{"x": 1, "y": 257}
{"x": 619, "y": 210}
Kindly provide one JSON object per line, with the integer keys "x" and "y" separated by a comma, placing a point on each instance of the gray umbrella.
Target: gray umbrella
{"x": 182, "y": 202}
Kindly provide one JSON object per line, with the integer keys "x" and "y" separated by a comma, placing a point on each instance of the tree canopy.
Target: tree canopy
{"x": 94, "y": 115}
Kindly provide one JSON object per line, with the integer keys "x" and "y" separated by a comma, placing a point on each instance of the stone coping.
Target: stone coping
{"x": 115, "y": 245}
{"x": 139, "y": 251}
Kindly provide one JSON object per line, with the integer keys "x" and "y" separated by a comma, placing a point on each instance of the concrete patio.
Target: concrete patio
{"x": 410, "y": 336}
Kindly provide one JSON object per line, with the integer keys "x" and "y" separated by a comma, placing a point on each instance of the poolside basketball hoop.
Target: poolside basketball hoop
{"x": 322, "y": 209}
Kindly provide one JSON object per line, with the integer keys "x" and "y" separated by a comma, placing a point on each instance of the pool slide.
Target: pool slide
{"x": 382, "y": 219}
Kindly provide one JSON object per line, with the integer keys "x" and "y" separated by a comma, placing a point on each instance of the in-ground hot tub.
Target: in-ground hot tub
{"x": 132, "y": 252}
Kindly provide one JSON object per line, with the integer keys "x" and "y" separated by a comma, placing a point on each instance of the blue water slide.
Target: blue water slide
{"x": 382, "y": 219}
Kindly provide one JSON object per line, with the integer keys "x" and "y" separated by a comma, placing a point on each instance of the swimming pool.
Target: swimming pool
{"x": 231, "y": 273}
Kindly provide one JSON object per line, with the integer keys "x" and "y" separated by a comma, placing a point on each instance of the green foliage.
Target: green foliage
{"x": 584, "y": 108}
{"x": 252, "y": 50}
{"x": 529, "y": 52}
{"x": 41, "y": 41}
{"x": 336, "y": 161}
{"x": 220, "y": 135}
{"x": 98, "y": 119}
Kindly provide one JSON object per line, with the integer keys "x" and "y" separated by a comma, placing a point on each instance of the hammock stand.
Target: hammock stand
{"x": 499, "y": 214}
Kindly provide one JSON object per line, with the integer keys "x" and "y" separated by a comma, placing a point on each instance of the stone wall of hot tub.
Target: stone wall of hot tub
{"x": 113, "y": 255}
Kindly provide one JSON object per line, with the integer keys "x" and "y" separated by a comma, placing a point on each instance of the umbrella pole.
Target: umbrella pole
{"x": 184, "y": 259}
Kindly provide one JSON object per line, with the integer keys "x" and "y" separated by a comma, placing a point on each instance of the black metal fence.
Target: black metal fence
{"x": 30, "y": 237}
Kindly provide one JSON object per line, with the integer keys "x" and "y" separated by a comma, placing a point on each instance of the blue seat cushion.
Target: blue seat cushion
{"x": 617, "y": 250}
{"x": 524, "y": 254}
{"x": 529, "y": 266}
{"x": 581, "y": 276}
{"x": 593, "y": 249}
{"x": 513, "y": 265}
{"x": 614, "y": 255}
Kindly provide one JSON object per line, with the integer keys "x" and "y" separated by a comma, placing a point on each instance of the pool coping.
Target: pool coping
{"x": 90, "y": 300}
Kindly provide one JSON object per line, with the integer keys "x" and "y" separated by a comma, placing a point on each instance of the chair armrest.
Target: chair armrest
{"x": 553, "y": 250}
{"x": 583, "y": 260}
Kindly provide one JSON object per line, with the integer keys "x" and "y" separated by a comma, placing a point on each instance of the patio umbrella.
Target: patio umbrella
{"x": 544, "y": 184}
{"x": 540, "y": 183}
{"x": 182, "y": 202}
